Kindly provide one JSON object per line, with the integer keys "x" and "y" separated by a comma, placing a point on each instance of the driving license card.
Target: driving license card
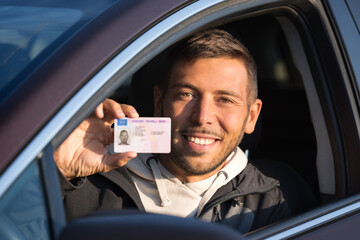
{"x": 142, "y": 135}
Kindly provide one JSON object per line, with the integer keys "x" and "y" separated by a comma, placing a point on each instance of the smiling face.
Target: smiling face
{"x": 207, "y": 101}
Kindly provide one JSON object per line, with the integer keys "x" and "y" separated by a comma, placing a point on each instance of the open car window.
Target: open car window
{"x": 292, "y": 129}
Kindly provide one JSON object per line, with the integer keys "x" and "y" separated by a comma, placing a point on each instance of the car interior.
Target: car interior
{"x": 284, "y": 143}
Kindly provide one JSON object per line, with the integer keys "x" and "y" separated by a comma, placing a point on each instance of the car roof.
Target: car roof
{"x": 41, "y": 94}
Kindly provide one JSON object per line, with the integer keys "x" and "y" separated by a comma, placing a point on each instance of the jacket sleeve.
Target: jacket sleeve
{"x": 280, "y": 207}
{"x": 75, "y": 194}
{"x": 273, "y": 209}
{"x": 67, "y": 186}
{"x": 83, "y": 196}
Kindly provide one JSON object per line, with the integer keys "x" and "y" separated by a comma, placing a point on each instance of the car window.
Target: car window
{"x": 23, "y": 211}
{"x": 21, "y": 40}
{"x": 28, "y": 30}
{"x": 287, "y": 125}
{"x": 295, "y": 114}
{"x": 354, "y": 7}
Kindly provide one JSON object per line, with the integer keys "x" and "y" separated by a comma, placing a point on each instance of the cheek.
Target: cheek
{"x": 232, "y": 123}
{"x": 176, "y": 110}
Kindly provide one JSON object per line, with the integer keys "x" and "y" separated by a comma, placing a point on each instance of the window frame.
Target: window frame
{"x": 344, "y": 27}
{"x": 52, "y": 192}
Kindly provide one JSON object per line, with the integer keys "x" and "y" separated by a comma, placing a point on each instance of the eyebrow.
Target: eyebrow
{"x": 219, "y": 92}
{"x": 229, "y": 93}
{"x": 185, "y": 85}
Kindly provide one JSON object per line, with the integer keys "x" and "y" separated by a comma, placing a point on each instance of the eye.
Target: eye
{"x": 183, "y": 95}
{"x": 225, "y": 100}
{"x": 186, "y": 95}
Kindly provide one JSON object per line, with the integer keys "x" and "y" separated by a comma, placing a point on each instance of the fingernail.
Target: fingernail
{"x": 135, "y": 113}
{"x": 121, "y": 114}
{"x": 132, "y": 154}
{"x": 100, "y": 114}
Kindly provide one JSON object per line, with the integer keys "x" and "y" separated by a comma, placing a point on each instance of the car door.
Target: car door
{"x": 105, "y": 54}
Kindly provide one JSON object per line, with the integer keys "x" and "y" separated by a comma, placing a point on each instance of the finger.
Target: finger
{"x": 120, "y": 110}
{"x": 129, "y": 111}
{"x": 121, "y": 159}
{"x": 114, "y": 108}
{"x": 99, "y": 110}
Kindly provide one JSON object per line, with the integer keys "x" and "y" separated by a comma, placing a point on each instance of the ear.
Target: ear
{"x": 157, "y": 101}
{"x": 254, "y": 113}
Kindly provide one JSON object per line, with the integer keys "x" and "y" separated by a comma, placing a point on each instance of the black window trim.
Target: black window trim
{"x": 339, "y": 16}
{"x": 53, "y": 195}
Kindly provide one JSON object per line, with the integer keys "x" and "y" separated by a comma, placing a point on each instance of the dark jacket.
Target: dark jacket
{"x": 249, "y": 201}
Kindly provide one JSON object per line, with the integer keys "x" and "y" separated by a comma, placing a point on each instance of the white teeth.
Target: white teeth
{"x": 201, "y": 141}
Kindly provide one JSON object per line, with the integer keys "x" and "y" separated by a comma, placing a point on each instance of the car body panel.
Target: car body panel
{"x": 46, "y": 90}
{"x": 346, "y": 228}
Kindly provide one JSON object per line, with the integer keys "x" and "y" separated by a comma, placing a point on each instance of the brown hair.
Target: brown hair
{"x": 211, "y": 44}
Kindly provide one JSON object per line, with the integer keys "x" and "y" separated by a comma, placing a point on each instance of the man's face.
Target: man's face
{"x": 124, "y": 137}
{"x": 207, "y": 102}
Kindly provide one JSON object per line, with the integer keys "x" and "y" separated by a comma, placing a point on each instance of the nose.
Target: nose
{"x": 203, "y": 111}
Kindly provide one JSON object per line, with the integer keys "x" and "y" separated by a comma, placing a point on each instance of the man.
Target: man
{"x": 124, "y": 136}
{"x": 210, "y": 93}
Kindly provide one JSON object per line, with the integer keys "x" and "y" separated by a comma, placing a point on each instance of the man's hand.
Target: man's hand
{"x": 85, "y": 151}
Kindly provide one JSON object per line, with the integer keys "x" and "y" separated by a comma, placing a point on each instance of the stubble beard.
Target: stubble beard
{"x": 182, "y": 161}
